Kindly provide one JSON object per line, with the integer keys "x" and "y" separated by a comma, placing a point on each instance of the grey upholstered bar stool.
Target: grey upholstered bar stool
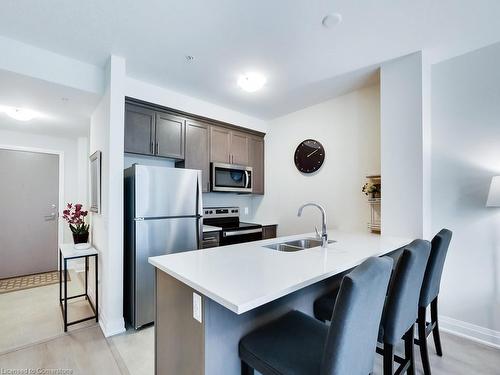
{"x": 300, "y": 345}
{"x": 400, "y": 311}
{"x": 429, "y": 296}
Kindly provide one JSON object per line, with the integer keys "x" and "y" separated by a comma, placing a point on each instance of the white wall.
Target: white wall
{"x": 106, "y": 135}
{"x": 75, "y": 175}
{"x": 466, "y": 154}
{"x": 404, "y": 146}
{"x": 349, "y": 128}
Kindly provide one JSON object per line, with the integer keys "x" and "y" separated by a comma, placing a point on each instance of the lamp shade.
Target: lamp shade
{"x": 494, "y": 194}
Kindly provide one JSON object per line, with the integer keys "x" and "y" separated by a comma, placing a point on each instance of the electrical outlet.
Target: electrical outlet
{"x": 197, "y": 307}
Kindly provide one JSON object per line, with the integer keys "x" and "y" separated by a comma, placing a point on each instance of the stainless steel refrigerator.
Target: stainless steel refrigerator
{"x": 163, "y": 215}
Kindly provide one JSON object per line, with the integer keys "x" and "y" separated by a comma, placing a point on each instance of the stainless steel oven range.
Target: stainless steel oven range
{"x": 233, "y": 230}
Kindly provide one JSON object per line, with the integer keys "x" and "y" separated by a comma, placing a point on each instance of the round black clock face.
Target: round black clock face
{"x": 309, "y": 156}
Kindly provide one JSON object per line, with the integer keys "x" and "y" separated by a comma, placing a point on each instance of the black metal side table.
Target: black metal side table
{"x": 68, "y": 252}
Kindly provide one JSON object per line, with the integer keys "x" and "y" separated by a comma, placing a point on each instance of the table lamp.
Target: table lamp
{"x": 494, "y": 194}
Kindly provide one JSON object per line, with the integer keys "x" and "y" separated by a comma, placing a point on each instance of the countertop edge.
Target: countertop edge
{"x": 243, "y": 308}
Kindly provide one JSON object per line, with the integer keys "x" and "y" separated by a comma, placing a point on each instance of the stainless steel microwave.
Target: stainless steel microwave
{"x": 231, "y": 178}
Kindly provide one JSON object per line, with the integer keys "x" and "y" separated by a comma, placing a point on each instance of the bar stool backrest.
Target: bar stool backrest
{"x": 432, "y": 279}
{"x": 401, "y": 307}
{"x": 352, "y": 336}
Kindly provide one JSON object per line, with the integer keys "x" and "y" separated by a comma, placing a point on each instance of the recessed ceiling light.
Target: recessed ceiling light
{"x": 251, "y": 81}
{"x": 331, "y": 20}
{"x": 20, "y": 114}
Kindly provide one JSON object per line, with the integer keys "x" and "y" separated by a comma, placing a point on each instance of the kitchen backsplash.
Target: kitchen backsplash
{"x": 244, "y": 202}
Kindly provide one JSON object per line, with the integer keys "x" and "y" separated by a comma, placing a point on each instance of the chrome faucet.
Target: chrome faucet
{"x": 324, "y": 234}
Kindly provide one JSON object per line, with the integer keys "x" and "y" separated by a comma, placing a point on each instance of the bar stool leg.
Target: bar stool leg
{"x": 388, "y": 359}
{"x": 422, "y": 340}
{"x": 435, "y": 331}
{"x": 409, "y": 337}
{"x": 246, "y": 369}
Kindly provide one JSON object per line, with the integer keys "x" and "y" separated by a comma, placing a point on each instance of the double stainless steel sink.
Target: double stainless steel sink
{"x": 296, "y": 245}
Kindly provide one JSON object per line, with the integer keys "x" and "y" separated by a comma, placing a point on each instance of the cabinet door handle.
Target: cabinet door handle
{"x": 157, "y": 148}
{"x": 152, "y": 147}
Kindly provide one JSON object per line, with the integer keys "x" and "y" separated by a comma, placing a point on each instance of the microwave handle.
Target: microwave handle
{"x": 247, "y": 179}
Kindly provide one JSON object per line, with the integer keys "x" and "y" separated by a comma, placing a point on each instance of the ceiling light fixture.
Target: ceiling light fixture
{"x": 251, "y": 81}
{"x": 331, "y": 20}
{"x": 189, "y": 58}
{"x": 20, "y": 114}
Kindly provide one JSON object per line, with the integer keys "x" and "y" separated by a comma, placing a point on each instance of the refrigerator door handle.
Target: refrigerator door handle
{"x": 199, "y": 197}
{"x": 199, "y": 201}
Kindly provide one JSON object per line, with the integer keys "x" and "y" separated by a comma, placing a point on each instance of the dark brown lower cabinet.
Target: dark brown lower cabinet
{"x": 269, "y": 231}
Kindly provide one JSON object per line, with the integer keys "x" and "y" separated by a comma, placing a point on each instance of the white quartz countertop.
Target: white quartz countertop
{"x": 209, "y": 228}
{"x": 245, "y": 276}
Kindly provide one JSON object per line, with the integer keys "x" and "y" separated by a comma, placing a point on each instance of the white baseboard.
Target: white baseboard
{"x": 470, "y": 331}
{"x": 108, "y": 328}
{"x": 111, "y": 328}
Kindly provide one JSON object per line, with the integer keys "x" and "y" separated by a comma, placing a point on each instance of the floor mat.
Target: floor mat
{"x": 13, "y": 284}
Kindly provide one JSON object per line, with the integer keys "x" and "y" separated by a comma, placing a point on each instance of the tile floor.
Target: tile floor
{"x": 32, "y": 315}
{"x": 86, "y": 351}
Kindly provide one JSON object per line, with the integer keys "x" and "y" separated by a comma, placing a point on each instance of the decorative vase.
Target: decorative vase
{"x": 81, "y": 238}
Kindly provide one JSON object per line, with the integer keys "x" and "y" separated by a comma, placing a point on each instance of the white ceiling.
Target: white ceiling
{"x": 58, "y": 116}
{"x": 283, "y": 39}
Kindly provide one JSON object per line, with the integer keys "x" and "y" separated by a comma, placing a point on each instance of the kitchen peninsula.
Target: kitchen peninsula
{"x": 206, "y": 300}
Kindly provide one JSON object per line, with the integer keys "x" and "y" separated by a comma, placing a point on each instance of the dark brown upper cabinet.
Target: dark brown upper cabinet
{"x": 150, "y": 132}
{"x": 139, "y": 130}
{"x": 220, "y": 145}
{"x": 228, "y": 146}
{"x": 193, "y": 141}
{"x": 197, "y": 152}
{"x": 239, "y": 148}
{"x": 169, "y": 130}
{"x": 256, "y": 161}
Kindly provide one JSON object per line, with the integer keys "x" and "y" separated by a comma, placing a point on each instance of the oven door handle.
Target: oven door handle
{"x": 240, "y": 232}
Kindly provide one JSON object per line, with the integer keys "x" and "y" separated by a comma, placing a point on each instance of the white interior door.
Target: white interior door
{"x": 29, "y": 194}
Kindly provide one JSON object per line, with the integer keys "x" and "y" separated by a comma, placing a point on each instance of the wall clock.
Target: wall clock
{"x": 309, "y": 156}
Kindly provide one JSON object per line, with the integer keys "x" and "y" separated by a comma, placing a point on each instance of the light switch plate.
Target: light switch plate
{"x": 246, "y": 210}
{"x": 197, "y": 307}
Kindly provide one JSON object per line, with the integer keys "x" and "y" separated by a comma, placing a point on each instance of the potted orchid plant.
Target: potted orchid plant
{"x": 75, "y": 217}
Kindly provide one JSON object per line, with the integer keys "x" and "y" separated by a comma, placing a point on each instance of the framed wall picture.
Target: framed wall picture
{"x": 95, "y": 182}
